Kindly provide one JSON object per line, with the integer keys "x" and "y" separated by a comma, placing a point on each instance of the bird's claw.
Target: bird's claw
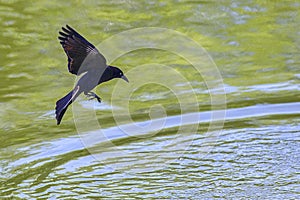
{"x": 92, "y": 96}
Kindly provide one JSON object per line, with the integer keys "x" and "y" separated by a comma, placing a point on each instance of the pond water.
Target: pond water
{"x": 228, "y": 131}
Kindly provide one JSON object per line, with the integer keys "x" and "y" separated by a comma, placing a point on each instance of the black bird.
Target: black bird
{"x": 83, "y": 57}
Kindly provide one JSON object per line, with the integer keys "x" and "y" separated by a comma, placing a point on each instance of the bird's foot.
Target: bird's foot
{"x": 92, "y": 95}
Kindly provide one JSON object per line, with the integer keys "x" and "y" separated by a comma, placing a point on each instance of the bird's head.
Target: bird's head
{"x": 117, "y": 73}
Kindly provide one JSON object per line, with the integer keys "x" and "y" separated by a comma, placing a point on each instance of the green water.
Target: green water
{"x": 255, "y": 155}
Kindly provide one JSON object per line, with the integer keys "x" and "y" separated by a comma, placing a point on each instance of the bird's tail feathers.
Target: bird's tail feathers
{"x": 63, "y": 103}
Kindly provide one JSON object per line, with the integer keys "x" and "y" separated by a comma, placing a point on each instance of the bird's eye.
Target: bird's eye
{"x": 121, "y": 74}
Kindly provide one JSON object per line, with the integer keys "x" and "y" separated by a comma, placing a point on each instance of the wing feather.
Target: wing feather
{"x": 78, "y": 49}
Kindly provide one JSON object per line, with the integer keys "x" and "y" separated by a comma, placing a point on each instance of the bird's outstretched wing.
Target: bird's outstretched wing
{"x": 82, "y": 55}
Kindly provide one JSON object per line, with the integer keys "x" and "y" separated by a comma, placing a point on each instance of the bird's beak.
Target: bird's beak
{"x": 125, "y": 78}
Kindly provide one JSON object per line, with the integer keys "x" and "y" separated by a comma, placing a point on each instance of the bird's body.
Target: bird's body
{"x": 83, "y": 57}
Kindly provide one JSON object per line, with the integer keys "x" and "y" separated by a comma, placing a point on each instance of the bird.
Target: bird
{"x": 83, "y": 59}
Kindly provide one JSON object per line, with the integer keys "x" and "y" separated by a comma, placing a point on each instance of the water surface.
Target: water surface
{"x": 255, "y": 46}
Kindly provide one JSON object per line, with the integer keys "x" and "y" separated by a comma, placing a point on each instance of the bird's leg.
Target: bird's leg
{"x": 92, "y": 95}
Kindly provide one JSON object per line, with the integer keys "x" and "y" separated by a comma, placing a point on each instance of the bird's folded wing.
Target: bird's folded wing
{"x": 82, "y": 55}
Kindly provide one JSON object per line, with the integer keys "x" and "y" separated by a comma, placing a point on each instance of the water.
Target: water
{"x": 251, "y": 151}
